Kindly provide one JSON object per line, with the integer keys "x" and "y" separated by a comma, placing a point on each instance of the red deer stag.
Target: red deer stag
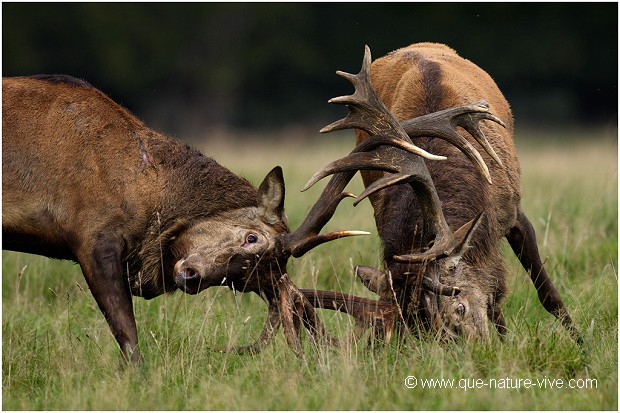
{"x": 142, "y": 214}
{"x": 445, "y": 281}
{"x": 84, "y": 180}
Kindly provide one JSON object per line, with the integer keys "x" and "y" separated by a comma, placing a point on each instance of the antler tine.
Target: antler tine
{"x": 307, "y": 235}
{"x": 441, "y": 125}
{"x": 461, "y": 239}
{"x": 322, "y": 239}
{"x": 382, "y": 183}
{"x": 352, "y": 162}
{"x": 362, "y": 157}
{"x": 377, "y": 314}
{"x": 366, "y": 111}
{"x": 376, "y": 141}
{"x": 360, "y": 103}
{"x": 471, "y": 124}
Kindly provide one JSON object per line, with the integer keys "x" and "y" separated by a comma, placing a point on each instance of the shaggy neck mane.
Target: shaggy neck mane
{"x": 192, "y": 187}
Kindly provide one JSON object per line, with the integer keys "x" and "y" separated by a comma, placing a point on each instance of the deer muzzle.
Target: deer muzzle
{"x": 196, "y": 273}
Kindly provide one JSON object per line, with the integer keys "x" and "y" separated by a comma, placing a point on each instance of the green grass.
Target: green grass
{"x": 58, "y": 353}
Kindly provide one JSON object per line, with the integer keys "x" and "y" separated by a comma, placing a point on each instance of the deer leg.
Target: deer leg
{"x": 103, "y": 272}
{"x": 522, "y": 239}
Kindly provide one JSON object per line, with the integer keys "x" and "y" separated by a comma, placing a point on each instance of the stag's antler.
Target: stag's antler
{"x": 389, "y": 149}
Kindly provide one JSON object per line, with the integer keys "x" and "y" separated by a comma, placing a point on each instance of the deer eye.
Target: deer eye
{"x": 250, "y": 239}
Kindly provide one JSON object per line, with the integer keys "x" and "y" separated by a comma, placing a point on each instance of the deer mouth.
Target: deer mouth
{"x": 192, "y": 277}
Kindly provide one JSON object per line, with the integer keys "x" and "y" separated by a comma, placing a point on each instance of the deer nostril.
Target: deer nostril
{"x": 460, "y": 309}
{"x": 188, "y": 274}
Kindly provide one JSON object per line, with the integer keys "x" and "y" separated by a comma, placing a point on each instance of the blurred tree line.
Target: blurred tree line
{"x": 182, "y": 66}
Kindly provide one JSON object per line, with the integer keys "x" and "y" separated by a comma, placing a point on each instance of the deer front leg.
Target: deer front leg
{"x": 103, "y": 272}
{"x": 522, "y": 239}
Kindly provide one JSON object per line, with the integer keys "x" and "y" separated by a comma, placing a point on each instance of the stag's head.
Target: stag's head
{"x": 460, "y": 311}
{"x": 247, "y": 248}
{"x": 442, "y": 293}
{"x": 238, "y": 247}
{"x": 465, "y": 315}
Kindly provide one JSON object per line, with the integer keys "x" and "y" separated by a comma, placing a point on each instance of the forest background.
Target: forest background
{"x": 190, "y": 68}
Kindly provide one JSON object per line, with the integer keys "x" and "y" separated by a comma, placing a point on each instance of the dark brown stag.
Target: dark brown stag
{"x": 84, "y": 180}
{"x": 440, "y": 221}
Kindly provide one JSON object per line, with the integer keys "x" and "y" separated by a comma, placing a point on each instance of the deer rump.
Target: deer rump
{"x": 419, "y": 80}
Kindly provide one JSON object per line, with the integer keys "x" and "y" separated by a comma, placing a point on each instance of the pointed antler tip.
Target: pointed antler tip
{"x": 340, "y": 100}
{"x": 367, "y": 60}
{"x": 332, "y": 126}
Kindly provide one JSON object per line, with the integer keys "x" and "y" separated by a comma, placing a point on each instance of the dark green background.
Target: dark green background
{"x": 184, "y": 67}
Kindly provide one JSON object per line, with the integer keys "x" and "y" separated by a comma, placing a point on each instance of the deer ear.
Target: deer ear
{"x": 271, "y": 197}
{"x": 375, "y": 280}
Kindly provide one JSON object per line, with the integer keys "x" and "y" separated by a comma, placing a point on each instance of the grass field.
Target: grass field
{"x": 58, "y": 353}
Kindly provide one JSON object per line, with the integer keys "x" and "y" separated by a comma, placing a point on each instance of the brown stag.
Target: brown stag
{"x": 440, "y": 221}
{"x": 84, "y": 180}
